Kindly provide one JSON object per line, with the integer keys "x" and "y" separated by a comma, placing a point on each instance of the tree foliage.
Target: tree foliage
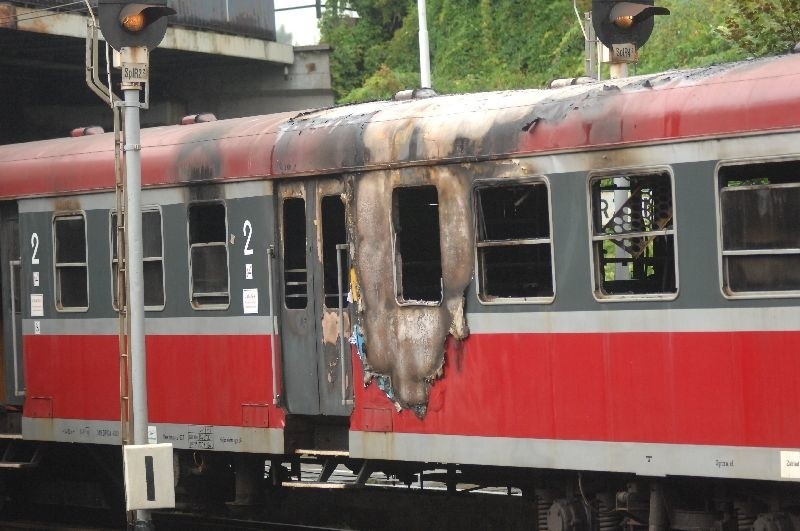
{"x": 763, "y": 27}
{"x": 689, "y": 37}
{"x": 359, "y": 42}
{"x": 504, "y": 44}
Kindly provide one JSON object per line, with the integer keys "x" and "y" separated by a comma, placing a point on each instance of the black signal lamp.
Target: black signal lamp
{"x": 617, "y": 22}
{"x": 133, "y": 24}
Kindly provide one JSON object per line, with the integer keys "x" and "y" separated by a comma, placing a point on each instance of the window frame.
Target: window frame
{"x": 722, "y": 277}
{"x": 398, "y": 286}
{"x": 301, "y": 195}
{"x": 149, "y": 208}
{"x": 190, "y": 246}
{"x": 321, "y": 196}
{"x": 597, "y": 293}
{"x": 85, "y": 264}
{"x": 512, "y": 181}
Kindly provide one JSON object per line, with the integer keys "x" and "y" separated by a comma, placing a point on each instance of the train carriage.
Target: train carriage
{"x": 599, "y": 281}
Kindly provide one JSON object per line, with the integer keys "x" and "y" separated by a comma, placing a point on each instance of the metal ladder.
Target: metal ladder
{"x": 18, "y": 454}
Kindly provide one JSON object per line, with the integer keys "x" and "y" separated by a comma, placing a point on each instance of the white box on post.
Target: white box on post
{"x": 149, "y": 476}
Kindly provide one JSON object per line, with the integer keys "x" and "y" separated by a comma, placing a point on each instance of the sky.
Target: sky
{"x": 301, "y": 23}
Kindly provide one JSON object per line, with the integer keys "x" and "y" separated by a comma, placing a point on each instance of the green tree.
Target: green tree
{"x": 506, "y": 44}
{"x": 358, "y": 30}
{"x": 689, "y": 37}
{"x": 763, "y": 27}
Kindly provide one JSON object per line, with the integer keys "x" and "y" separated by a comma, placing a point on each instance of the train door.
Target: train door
{"x": 314, "y": 276}
{"x": 12, "y": 379}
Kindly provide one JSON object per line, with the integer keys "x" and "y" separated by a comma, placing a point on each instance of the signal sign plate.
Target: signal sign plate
{"x": 135, "y": 72}
{"x": 624, "y": 53}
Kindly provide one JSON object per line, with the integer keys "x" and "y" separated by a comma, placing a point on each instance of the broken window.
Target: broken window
{"x": 295, "y": 270}
{"x": 633, "y": 236}
{"x": 208, "y": 254}
{"x": 334, "y": 233}
{"x": 759, "y": 204}
{"x": 152, "y": 257}
{"x": 72, "y": 272}
{"x": 418, "y": 256}
{"x": 514, "y": 247}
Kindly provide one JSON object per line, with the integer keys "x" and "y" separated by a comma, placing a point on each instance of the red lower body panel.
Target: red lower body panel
{"x": 215, "y": 380}
{"x": 738, "y": 389}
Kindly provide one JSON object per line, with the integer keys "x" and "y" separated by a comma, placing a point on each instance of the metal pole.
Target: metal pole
{"x": 133, "y": 171}
{"x": 618, "y": 70}
{"x": 590, "y": 48}
{"x": 424, "y": 49}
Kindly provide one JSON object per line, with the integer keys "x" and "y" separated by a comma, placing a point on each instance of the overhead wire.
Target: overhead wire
{"x": 32, "y": 15}
{"x": 580, "y": 22}
{"x": 91, "y": 13}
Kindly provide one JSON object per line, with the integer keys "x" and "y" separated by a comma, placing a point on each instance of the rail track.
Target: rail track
{"x": 382, "y": 502}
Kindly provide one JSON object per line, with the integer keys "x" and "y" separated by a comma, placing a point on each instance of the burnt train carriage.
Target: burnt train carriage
{"x": 599, "y": 278}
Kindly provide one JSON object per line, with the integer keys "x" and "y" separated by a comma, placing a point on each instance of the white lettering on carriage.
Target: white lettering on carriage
{"x": 790, "y": 465}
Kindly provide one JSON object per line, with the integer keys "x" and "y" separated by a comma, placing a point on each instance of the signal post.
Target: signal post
{"x": 134, "y": 28}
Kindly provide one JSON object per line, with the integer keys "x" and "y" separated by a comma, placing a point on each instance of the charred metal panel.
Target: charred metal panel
{"x": 8, "y": 16}
{"x": 711, "y": 102}
{"x": 472, "y": 127}
{"x": 404, "y": 345}
{"x": 321, "y": 141}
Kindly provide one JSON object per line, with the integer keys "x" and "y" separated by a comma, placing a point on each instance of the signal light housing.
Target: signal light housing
{"x": 133, "y": 24}
{"x": 617, "y": 22}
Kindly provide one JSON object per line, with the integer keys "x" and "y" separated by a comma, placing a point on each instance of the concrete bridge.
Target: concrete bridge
{"x": 218, "y": 56}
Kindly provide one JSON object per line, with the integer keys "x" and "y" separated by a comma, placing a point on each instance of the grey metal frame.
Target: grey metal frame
{"x": 85, "y": 263}
{"x": 511, "y": 181}
{"x": 593, "y": 176}
{"x": 194, "y": 305}
{"x": 721, "y": 253}
{"x": 149, "y": 208}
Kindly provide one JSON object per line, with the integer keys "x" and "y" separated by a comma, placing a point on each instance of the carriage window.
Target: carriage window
{"x": 633, "y": 236}
{"x": 334, "y": 232}
{"x": 152, "y": 258}
{"x": 295, "y": 272}
{"x": 514, "y": 244}
{"x": 418, "y": 257}
{"x": 208, "y": 255}
{"x": 72, "y": 272}
{"x": 759, "y": 204}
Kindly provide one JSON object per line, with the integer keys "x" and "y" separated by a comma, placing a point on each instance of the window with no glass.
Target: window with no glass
{"x": 208, "y": 254}
{"x": 295, "y": 269}
{"x": 152, "y": 257}
{"x": 418, "y": 256}
{"x": 633, "y": 236}
{"x": 759, "y": 205}
{"x": 334, "y": 261}
{"x": 514, "y": 247}
{"x": 72, "y": 272}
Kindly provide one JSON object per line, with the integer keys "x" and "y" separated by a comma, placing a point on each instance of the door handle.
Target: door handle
{"x": 276, "y": 397}
{"x": 339, "y": 248}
